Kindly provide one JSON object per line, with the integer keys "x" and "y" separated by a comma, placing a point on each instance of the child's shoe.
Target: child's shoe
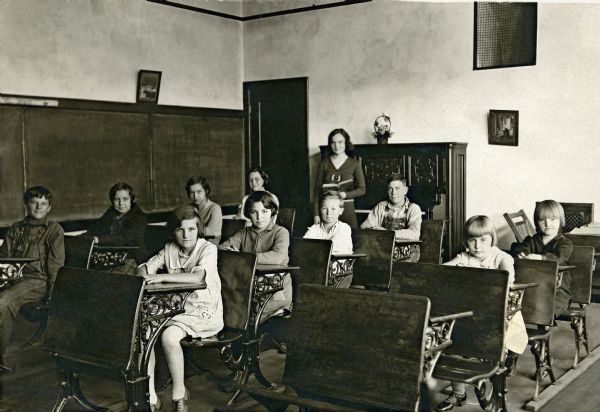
{"x": 451, "y": 401}
{"x": 182, "y": 405}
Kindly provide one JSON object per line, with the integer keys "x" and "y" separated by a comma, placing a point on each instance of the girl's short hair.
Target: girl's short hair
{"x": 397, "y": 176}
{"x": 267, "y": 200}
{"x": 261, "y": 172}
{"x": 349, "y": 145}
{"x": 121, "y": 186}
{"x": 548, "y": 209}
{"x": 37, "y": 191}
{"x": 180, "y": 214}
{"x": 194, "y": 180}
{"x": 330, "y": 194}
{"x": 478, "y": 226}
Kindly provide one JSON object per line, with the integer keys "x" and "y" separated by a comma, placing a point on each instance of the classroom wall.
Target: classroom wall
{"x": 93, "y": 49}
{"x": 413, "y": 61}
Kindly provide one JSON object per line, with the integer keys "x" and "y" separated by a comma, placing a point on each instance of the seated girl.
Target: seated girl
{"x": 482, "y": 252}
{"x": 268, "y": 240}
{"x": 549, "y": 244}
{"x": 397, "y": 214}
{"x": 258, "y": 180}
{"x": 123, "y": 224}
{"x": 211, "y": 217}
{"x": 188, "y": 258}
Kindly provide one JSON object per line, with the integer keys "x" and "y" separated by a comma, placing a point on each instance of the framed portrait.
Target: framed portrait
{"x": 148, "y": 86}
{"x": 503, "y": 127}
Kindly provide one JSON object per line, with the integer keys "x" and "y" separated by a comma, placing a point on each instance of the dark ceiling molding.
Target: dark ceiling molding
{"x": 258, "y": 16}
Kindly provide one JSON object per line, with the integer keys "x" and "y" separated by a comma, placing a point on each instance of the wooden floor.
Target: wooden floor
{"x": 32, "y": 386}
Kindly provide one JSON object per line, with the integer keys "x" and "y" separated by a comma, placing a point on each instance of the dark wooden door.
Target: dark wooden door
{"x": 276, "y": 139}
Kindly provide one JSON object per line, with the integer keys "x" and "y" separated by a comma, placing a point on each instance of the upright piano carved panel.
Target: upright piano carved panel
{"x": 436, "y": 174}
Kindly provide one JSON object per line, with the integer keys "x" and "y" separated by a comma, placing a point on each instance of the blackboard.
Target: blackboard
{"x": 80, "y": 153}
{"x": 11, "y": 165}
{"x": 183, "y": 146}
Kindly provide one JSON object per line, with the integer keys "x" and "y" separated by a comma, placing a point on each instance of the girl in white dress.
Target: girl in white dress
{"x": 187, "y": 259}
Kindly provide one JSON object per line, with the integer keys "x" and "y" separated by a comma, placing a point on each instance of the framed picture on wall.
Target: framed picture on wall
{"x": 148, "y": 86}
{"x": 503, "y": 127}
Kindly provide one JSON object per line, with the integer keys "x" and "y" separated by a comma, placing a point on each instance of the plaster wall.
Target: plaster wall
{"x": 413, "y": 61}
{"x": 93, "y": 49}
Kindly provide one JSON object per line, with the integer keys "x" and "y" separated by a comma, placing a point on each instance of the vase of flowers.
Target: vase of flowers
{"x": 382, "y": 129}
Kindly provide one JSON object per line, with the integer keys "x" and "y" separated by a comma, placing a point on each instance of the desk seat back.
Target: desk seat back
{"x": 78, "y": 251}
{"x": 374, "y": 270}
{"x": 538, "y": 302}
{"x": 286, "y": 217}
{"x": 312, "y": 256}
{"x": 432, "y": 235}
{"x": 155, "y": 238}
{"x": 581, "y": 276}
{"x": 231, "y": 227}
{"x": 355, "y": 347}
{"x": 93, "y": 317}
{"x": 236, "y": 270}
{"x": 453, "y": 289}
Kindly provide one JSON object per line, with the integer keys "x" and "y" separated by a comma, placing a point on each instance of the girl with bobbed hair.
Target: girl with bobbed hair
{"x": 123, "y": 224}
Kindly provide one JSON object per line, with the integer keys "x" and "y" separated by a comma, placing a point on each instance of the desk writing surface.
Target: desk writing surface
{"x": 587, "y": 230}
{"x": 12, "y": 260}
{"x": 348, "y": 255}
{"x": 263, "y": 268}
{"x": 173, "y": 287}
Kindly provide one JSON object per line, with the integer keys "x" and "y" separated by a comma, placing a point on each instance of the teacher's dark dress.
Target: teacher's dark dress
{"x": 351, "y": 179}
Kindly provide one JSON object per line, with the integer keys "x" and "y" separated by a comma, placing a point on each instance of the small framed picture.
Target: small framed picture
{"x": 503, "y": 127}
{"x": 148, "y": 86}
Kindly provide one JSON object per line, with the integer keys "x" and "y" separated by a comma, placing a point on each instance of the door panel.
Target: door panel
{"x": 277, "y": 139}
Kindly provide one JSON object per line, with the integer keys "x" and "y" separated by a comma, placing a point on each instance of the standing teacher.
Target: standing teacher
{"x": 340, "y": 172}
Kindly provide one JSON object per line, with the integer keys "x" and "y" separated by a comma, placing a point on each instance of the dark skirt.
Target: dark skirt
{"x": 349, "y": 215}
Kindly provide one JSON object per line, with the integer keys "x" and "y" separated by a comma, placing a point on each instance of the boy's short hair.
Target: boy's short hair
{"x": 121, "y": 186}
{"x": 180, "y": 214}
{"x": 397, "y": 176}
{"x": 37, "y": 191}
{"x": 194, "y": 180}
{"x": 480, "y": 225}
{"x": 548, "y": 209}
{"x": 267, "y": 200}
{"x": 264, "y": 175}
{"x": 330, "y": 194}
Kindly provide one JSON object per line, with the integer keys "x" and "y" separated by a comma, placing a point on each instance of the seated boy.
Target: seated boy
{"x": 33, "y": 237}
{"x": 269, "y": 241}
{"x": 331, "y": 206}
{"x": 397, "y": 214}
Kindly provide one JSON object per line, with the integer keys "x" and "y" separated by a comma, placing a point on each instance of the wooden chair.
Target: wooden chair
{"x": 371, "y": 360}
{"x": 78, "y": 251}
{"x": 581, "y": 294}
{"x": 155, "y": 238}
{"x": 538, "y": 310}
{"x": 476, "y": 355}
{"x": 236, "y": 270}
{"x": 374, "y": 270}
{"x": 231, "y": 227}
{"x": 520, "y": 225}
{"x": 286, "y": 217}
{"x": 432, "y": 237}
{"x": 92, "y": 327}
